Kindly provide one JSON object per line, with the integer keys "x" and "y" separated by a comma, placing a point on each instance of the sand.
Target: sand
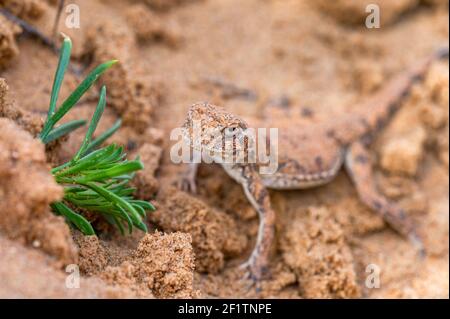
{"x": 315, "y": 59}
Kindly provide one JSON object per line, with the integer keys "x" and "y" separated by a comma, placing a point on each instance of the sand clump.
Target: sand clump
{"x": 325, "y": 237}
{"x": 150, "y": 27}
{"x": 8, "y": 45}
{"x": 27, "y": 187}
{"x": 164, "y": 5}
{"x": 413, "y": 131}
{"x": 26, "y": 190}
{"x": 129, "y": 95}
{"x": 8, "y": 109}
{"x": 26, "y": 273}
{"x": 403, "y": 154}
{"x": 162, "y": 264}
{"x": 25, "y": 9}
{"x": 214, "y": 234}
{"x": 145, "y": 181}
{"x": 92, "y": 256}
{"x": 315, "y": 249}
{"x": 132, "y": 141}
{"x": 434, "y": 111}
{"x": 353, "y": 12}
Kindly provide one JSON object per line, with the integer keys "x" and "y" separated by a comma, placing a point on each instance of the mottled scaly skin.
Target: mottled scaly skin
{"x": 312, "y": 156}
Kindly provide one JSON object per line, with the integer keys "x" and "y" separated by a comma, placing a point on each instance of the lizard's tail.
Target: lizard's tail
{"x": 375, "y": 112}
{"x": 418, "y": 70}
{"x": 442, "y": 53}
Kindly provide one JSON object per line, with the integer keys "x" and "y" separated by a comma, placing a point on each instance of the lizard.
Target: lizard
{"x": 307, "y": 157}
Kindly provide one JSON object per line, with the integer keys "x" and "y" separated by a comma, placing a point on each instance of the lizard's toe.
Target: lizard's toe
{"x": 417, "y": 241}
{"x": 186, "y": 184}
{"x": 253, "y": 275}
{"x": 251, "y": 280}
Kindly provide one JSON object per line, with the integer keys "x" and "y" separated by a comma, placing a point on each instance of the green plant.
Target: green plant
{"x": 94, "y": 180}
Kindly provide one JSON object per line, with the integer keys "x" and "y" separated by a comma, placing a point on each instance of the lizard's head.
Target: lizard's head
{"x": 212, "y": 129}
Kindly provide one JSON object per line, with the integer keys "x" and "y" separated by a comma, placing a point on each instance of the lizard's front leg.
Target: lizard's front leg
{"x": 258, "y": 196}
{"x": 359, "y": 167}
{"x": 188, "y": 180}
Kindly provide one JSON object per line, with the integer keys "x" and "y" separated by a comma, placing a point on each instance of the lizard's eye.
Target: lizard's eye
{"x": 231, "y": 131}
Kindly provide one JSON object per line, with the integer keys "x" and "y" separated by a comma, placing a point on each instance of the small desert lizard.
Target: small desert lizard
{"x": 310, "y": 157}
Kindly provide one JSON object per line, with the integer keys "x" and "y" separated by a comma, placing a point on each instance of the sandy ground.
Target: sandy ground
{"x": 315, "y": 55}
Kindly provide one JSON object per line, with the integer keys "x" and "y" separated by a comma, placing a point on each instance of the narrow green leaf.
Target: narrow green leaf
{"x": 134, "y": 215}
{"x": 93, "y": 125}
{"x": 64, "y": 59}
{"x": 126, "y": 177}
{"x": 115, "y": 156}
{"x": 79, "y": 221}
{"x": 141, "y": 225}
{"x": 140, "y": 210}
{"x": 84, "y": 162}
{"x": 104, "y": 136}
{"x": 77, "y": 94}
{"x": 90, "y": 203}
{"x": 145, "y": 205}
{"x": 118, "y": 224}
{"x": 62, "y": 130}
{"x": 127, "y": 218}
{"x": 124, "y": 192}
{"x": 118, "y": 170}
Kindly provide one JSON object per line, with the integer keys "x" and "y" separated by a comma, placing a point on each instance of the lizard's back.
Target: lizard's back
{"x": 311, "y": 155}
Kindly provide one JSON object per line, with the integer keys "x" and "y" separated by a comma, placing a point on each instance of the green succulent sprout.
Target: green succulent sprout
{"x": 95, "y": 179}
